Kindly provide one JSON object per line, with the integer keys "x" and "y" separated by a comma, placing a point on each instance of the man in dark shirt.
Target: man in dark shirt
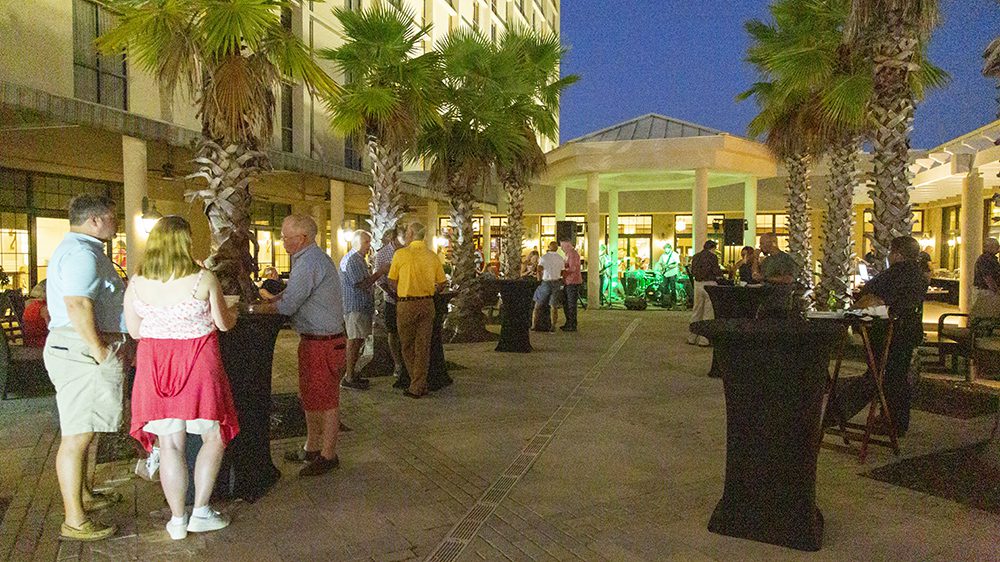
{"x": 705, "y": 270}
{"x": 902, "y": 288}
{"x": 987, "y": 275}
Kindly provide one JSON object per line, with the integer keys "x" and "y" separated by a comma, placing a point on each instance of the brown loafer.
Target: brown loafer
{"x": 87, "y": 532}
{"x": 321, "y": 465}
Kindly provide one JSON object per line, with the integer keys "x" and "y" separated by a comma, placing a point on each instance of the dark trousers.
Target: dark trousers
{"x": 569, "y": 305}
{"x": 670, "y": 290}
{"x": 854, "y": 395}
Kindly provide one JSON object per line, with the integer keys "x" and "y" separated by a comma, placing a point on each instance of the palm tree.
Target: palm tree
{"x": 789, "y": 118}
{"x": 475, "y": 134}
{"x": 389, "y": 95}
{"x": 991, "y": 66}
{"x": 535, "y": 109}
{"x": 891, "y": 33}
{"x": 231, "y": 55}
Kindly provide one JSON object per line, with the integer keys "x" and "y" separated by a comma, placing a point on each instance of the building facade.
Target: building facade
{"x": 72, "y": 120}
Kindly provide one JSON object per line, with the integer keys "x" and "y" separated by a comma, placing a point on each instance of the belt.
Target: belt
{"x": 314, "y": 337}
{"x": 405, "y": 299}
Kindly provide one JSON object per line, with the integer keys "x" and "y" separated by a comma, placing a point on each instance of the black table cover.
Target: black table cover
{"x": 247, "y": 470}
{"x": 775, "y": 373}
{"x": 729, "y": 301}
{"x": 437, "y": 371}
{"x": 515, "y": 314}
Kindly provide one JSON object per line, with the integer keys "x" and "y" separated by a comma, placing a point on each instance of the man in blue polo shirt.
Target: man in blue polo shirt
{"x": 86, "y": 355}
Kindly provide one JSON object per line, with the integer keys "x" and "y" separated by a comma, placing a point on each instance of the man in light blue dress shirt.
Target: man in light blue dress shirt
{"x": 86, "y": 355}
{"x": 313, "y": 300}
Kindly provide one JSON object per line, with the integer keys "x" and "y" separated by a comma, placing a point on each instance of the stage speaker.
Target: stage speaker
{"x": 733, "y": 232}
{"x": 566, "y": 230}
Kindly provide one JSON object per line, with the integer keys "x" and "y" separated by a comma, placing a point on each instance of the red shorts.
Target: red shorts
{"x": 321, "y": 363}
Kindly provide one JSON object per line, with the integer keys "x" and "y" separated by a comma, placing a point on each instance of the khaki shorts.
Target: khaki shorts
{"x": 358, "y": 325}
{"x": 169, "y": 426}
{"x": 89, "y": 394}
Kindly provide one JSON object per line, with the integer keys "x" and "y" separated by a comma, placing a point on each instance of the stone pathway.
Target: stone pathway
{"x": 608, "y": 444}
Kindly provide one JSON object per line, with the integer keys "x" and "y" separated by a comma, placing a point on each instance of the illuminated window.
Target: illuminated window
{"x": 14, "y": 250}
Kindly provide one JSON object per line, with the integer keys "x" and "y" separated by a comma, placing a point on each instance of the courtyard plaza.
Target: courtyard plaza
{"x": 607, "y": 444}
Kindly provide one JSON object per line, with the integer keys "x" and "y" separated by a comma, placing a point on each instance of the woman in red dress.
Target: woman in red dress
{"x": 175, "y": 309}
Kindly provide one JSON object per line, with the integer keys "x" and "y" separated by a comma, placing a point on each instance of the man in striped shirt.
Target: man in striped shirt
{"x": 359, "y": 305}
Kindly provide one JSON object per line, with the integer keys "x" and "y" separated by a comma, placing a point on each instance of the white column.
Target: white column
{"x": 338, "y": 247}
{"x": 699, "y": 209}
{"x": 561, "y": 202}
{"x": 972, "y": 234}
{"x": 613, "y": 230}
{"x": 593, "y": 241}
{"x": 318, "y": 213}
{"x": 485, "y": 230}
{"x": 750, "y": 211}
{"x": 136, "y": 188}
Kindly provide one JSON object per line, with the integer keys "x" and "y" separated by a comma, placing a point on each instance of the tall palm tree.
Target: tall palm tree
{"x": 538, "y": 57}
{"x": 231, "y": 55}
{"x": 892, "y": 33}
{"x": 789, "y": 118}
{"x": 991, "y": 66}
{"x": 390, "y": 93}
{"x": 475, "y": 134}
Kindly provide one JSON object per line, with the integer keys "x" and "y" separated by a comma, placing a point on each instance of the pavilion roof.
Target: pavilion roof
{"x": 648, "y": 127}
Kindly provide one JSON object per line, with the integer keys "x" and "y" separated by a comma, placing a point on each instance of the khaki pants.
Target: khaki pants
{"x": 89, "y": 395}
{"x": 702, "y": 309}
{"x": 415, "y": 321}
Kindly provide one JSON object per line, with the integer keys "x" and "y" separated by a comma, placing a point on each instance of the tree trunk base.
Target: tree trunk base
{"x": 381, "y": 363}
{"x": 467, "y": 332}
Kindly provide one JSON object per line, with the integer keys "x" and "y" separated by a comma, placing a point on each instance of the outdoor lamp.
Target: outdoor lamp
{"x": 149, "y": 214}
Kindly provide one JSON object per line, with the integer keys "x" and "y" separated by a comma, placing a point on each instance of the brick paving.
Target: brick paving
{"x": 608, "y": 444}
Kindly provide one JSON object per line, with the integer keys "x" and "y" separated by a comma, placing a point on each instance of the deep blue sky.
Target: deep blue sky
{"x": 684, "y": 59}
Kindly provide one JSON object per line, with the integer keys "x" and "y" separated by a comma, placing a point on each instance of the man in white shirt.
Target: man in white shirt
{"x": 550, "y": 268}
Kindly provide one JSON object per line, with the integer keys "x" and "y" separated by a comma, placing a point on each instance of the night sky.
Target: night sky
{"x": 684, "y": 59}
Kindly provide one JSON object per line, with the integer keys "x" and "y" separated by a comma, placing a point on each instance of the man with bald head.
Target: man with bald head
{"x": 314, "y": 302}
{"x": 987, "y": 273}
{"x": 777, "y": 267}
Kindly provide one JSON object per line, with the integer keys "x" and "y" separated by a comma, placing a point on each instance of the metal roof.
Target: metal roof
{"x": 648, "y": 127}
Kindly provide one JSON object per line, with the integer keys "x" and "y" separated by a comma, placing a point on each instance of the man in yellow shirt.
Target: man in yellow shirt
{"x": 416, "y": 275}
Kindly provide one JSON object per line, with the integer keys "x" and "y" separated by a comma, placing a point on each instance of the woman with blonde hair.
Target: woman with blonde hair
{"x": 175, "y": 308}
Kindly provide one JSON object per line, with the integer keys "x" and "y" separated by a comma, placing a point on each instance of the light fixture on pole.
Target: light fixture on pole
{"x": 149, "y": 214}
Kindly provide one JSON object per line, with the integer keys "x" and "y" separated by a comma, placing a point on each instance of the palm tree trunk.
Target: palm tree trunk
{"x": 227, "y": 198}
{"x": 892, "y": 113}
{"x": 515, "y": 229}
{"x": 799, "y": 224}
{"x": 384, "y": 206}
{"x": 838, "y": 226}
{"x": 466, "y": 321}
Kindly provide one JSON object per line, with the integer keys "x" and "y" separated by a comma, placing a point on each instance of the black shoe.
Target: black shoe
{"x": 320, "y": 465}
{"x": 301, "y": 455}
{"x": 401, "y": 383}
{"x": 411, "y": 395}
{"x": 568, "y": 329}
{"x": 343, "y": 428}
{"x": 357, "y": 384}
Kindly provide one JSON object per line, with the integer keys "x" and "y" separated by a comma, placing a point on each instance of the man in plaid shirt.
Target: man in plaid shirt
{"x": 359, "y": 304}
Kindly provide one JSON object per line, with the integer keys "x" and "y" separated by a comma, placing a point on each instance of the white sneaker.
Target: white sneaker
{"x": 178, "y": 531}
{"x": 213, "y": 522}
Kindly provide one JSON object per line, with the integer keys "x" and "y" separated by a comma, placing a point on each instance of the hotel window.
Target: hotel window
{"x": 951, "y": 237}
{"x": 97, "y": 78}
{"x": 265, "y": 221}
{"x": 548, "y": 233}
{"x": 353, "y": 150}
{"x": 635, "y": 241}
{"x": 683, "y": 232}
{"x": 352, "y": 4}
{"x": 287, "y": 116}
{"x": 776, "y": 224}
{"x": 475, "y": 13}
{"x": 286, "y": 18}
{"x": 15, "y": 251}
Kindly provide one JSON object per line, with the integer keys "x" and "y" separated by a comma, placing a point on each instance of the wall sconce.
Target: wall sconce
{"x": 346, "y": 236}
{"x": 149, "y": 214}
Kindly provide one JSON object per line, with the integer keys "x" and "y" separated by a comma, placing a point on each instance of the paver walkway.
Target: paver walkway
{"x": 608, "y": 444}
